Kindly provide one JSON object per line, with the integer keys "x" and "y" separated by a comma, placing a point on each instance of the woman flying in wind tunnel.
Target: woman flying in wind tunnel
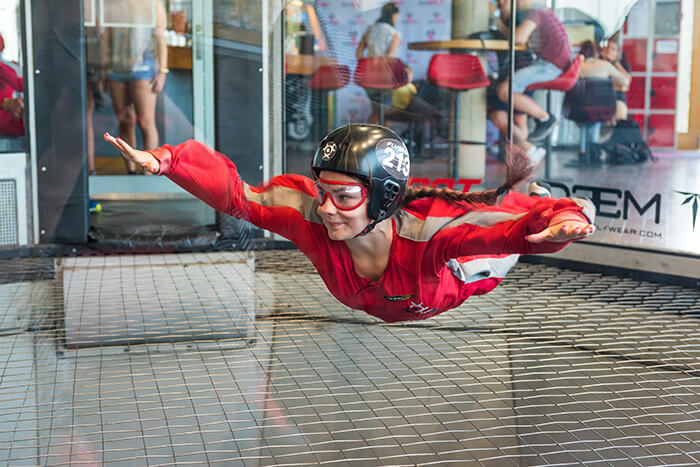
{"x": 398, "y": 254}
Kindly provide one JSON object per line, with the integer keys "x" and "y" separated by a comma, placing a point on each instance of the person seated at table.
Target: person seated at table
{"x": 408, "y": 98}
{"x": 611, "y": 53}
{"x": 595, "y": 67}
{"x": 499, "y": 68}
{"x": 381, "y": 39}
{"x": 548, "y": 40}
{"x": 411, "y": 104}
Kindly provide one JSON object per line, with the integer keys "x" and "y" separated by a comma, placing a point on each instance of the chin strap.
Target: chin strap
{"x": 370, "y": 227}
{"x": 367, "y": 229}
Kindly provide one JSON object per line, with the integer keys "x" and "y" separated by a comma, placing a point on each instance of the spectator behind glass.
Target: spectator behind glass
{"x": 381, "y": 39}
{"x": 135, "y": 64}
{"x": 595, "y": 67}
{"x": 611, "y": 53}
{"x": 11, "y": 97}
{"x": 548, "y": 40}
{"x": 498, "y": 109}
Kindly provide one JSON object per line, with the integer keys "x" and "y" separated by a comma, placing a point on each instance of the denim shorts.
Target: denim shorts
{"x": 146, "y": 70}
{"x": 539, "y": 72}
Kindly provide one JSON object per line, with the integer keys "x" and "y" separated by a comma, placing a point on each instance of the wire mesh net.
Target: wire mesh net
{"x": 245, "y": 359}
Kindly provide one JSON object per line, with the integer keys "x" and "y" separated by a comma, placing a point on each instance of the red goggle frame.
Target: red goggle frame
{"x": 345, "y": 197}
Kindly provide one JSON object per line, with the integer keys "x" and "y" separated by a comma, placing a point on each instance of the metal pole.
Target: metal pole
{"x": 511, "y": 53}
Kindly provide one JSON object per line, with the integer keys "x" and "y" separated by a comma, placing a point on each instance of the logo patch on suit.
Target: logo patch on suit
{"x": 329, "y": 150}
{"x": 398, "y": 298}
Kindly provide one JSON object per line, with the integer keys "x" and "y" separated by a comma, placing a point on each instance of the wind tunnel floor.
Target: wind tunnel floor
{"x": 244, "y": 358}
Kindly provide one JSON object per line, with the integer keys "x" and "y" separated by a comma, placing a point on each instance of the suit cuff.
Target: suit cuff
{"x": 164, "y": 157}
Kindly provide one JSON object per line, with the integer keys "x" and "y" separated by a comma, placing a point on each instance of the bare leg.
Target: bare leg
{"x": 124, "y": 111}
{"x": 620, "y": 111}
{"x": 145, "y": 105}
{"x": 522, "y": 102}
{"x": 500, "y": 119}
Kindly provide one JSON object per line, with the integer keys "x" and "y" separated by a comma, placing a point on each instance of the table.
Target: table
{"x": 470, "y": 44}
{"x": 306, "y": 64}
{"x": 298, "y": 69}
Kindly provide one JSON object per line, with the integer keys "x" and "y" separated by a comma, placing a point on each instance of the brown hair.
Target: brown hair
{"x": 519, "y": 169}
{"x": 589, "y": 49}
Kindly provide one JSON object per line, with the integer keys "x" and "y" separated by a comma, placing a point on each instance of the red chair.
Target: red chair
{"x": 563, "y": 82}
{"x": 457, "y": 73}
{"x": 381, "y": 75}
{"x": 326, "y": 79}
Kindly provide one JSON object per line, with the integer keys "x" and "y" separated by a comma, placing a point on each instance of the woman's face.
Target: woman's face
{"x": 341, "y": 224}
{"x": 395, "y": 18}
{"x": 611, "y": 51}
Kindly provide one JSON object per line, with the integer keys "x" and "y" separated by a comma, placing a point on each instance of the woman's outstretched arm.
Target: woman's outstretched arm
{"x": 285, "y": 205}
{"x": 521, "y": 225}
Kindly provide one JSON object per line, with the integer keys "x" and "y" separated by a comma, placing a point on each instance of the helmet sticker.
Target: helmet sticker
{"x": 329, "y": 150}
{"x": 393, "y": 156}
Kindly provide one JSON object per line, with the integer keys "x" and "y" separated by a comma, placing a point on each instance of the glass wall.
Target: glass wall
{"x": 603, "y": 99}
{"x": 602, "y": 102}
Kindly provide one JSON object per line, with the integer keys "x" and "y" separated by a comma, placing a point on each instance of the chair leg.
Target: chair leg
{"x": 381, "y": 107}
{"x": 548, "y": 144}
{"x": 455, "y": 145}
{"x": 583, "y": 147}
{"x": 547, "y": 156}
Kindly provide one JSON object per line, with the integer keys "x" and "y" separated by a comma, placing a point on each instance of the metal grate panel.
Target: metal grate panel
{"x": 8, "y": 212}
{"x": 554, "y": 367}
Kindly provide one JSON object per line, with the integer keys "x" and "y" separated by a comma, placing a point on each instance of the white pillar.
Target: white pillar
{"x": 470, "y": 16}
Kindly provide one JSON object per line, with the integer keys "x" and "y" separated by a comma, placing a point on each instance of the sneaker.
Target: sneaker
{"x": 539, "y": 189}
{"x": 543, "y": 129}
{"x": 536, "y": 154}
{"x": 95, "y": 206}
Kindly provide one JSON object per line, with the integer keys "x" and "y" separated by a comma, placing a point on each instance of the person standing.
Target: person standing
{"x": 381, "y": 39}
{"x": 135, "y": 66}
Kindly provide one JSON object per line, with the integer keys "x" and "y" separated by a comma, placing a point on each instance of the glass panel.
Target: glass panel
{"x": 616, "y": 139}
{"x": 667, "y": 21}
{"x": 12, "y": 109}
{"x": 454, "y": 125}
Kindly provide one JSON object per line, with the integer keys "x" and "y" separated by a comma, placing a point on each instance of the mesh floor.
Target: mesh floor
{"x": 246, "y": 359}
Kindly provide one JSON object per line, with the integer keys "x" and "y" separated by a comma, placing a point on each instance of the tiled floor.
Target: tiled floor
{"x": 245, "y": 359}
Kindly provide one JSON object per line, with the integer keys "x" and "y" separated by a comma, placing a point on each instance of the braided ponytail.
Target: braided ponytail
{"x": 519, "y": 169}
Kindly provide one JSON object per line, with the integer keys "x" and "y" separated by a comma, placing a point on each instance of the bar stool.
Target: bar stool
{"x": 326, "y": 79}
{"x": 457, "y": 73}
{"x": 563, "y": 82}
{"x": 381, "y": 74}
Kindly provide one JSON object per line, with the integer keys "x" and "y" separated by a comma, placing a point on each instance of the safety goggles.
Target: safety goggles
{"x": 344, "y": 195}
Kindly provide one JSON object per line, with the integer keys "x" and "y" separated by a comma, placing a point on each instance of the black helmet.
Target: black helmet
{"x": 374, "y": 154}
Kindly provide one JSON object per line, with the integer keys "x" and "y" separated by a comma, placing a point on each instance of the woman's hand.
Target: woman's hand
{"x": 141, "y": 158}
{"x": 563, "y": 227}
{"x": 15, "y": 106}
{"x": 158, "y": 83}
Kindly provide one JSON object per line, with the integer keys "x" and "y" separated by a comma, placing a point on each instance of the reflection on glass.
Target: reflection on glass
{"x": 12, "y": 111}
{"x": 129, "y": 13}
{"x": 244, "y": 14}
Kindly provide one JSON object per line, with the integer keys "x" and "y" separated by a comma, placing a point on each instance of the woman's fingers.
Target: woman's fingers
{"x": 564, "y": 232}
{"x": 142, "y": 158}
